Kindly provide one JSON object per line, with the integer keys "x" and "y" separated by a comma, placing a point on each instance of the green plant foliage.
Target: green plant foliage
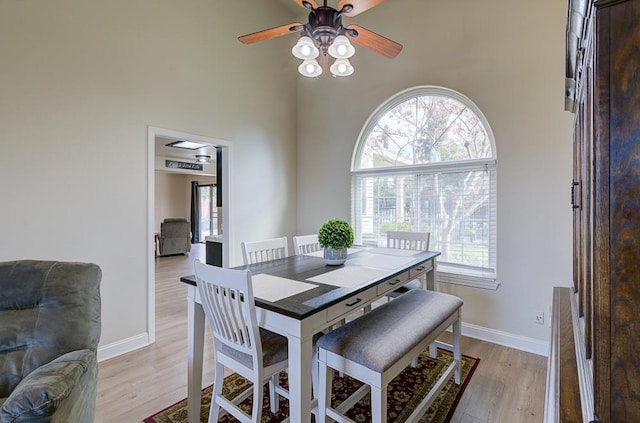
{"x": 336, "y": 234}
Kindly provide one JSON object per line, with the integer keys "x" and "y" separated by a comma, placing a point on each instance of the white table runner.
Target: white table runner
{"x": 381, "y": 261}
{"x": 349, "y": 276}
{"x": 393, "y": 252}
{"x": 275, "y": 288}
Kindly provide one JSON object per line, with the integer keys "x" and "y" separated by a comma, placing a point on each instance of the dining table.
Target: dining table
{"x": 299, "y": 296}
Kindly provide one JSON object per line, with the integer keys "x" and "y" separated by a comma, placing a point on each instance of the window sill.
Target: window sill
{"x": 455, "y": 276}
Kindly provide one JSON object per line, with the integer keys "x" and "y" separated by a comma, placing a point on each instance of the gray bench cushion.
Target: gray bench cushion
{"x": 381, "y": 337}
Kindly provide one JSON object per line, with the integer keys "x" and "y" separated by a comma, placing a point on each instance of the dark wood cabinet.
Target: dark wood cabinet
{"x": 603, "y": 90}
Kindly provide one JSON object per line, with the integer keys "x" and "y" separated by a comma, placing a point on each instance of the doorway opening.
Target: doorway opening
{"x": 217, "y": 197}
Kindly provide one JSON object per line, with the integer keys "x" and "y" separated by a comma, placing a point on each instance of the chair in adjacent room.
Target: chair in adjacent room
{"x": 264, "y": 250}
{"x": 49, "y": 332}
{"x": 407, "y": 241}
{"x": 256, "y": 354}
{"x": 305, "y": 244}
{"x": 175, "y": 236}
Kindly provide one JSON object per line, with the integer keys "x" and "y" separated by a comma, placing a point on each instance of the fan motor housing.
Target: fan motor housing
{"x": 325, "y": 23}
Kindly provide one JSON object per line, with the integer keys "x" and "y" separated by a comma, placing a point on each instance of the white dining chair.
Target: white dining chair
{"x": 407, "y": 241}
{"x": 256, "y": 354}
{"x": 264, "y": 250}
{"x": 305, "y": 244}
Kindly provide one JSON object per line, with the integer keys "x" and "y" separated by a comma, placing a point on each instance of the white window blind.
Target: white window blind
{"x": 425, "y": 161}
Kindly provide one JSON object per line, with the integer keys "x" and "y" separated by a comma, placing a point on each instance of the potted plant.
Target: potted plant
{"x": 335, "y": 236}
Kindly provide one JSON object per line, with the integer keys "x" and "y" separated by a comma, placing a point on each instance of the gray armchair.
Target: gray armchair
{"x": 49, "y": 333}
{"x": 175, "y": 236}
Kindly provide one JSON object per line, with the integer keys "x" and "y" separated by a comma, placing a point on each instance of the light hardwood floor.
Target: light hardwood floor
{"x": 508, "y": 385}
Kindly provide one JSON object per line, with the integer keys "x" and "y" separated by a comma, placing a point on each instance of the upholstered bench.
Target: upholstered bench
{"x": 376, "y": 347}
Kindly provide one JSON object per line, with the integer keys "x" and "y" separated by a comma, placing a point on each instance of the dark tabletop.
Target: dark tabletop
{"x": 303, "y": 267}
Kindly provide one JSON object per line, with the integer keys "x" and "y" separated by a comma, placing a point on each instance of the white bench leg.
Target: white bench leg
{"x": 457, "y": 326}
{"x": 433, "y": 350}
{"x": 379, "y": 404}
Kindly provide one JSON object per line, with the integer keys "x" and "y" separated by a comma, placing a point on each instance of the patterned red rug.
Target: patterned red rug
{"x": 404, "y": 393}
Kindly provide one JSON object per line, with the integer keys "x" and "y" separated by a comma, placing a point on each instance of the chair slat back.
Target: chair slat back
{"x": 264, "y": 250}
{"x": 305, "y": 244}
{"x": 408, "y": 240}
{"x": 228, "y": 302}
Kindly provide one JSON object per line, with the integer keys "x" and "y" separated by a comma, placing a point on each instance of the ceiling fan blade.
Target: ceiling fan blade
{"x": 375, "y": 42}
{"x": 311, "y": 2}
{"x": 266, "y": 34}
{"x": 359, "y": 6}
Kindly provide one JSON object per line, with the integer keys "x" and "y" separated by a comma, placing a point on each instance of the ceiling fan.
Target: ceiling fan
{"x": 324, "y": 35}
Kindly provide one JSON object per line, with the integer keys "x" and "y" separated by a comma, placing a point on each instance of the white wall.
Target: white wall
{"x": 507, "y": 57}
{"x": 80, "y": 83}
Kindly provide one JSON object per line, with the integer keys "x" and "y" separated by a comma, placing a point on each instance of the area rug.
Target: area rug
{"x": 404, "y": 393}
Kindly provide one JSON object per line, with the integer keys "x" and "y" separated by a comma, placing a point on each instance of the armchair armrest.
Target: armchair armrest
{"x": 61, "y": 390}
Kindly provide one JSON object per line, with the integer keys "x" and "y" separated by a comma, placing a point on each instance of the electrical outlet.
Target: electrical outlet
{"x": 539, "y": 317}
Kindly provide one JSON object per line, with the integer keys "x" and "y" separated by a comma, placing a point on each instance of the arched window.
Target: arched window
{"x": 426, "y": 161}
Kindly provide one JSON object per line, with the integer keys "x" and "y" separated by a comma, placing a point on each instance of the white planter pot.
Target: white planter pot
{"x": 335, "y": 257}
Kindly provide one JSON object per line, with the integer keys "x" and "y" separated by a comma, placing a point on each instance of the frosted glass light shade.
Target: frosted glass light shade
{"x": 341, "y": 48}
{"x": 305, "y": 49}
{"x": 310, "y": 68}
{"x": 341, "y": 67}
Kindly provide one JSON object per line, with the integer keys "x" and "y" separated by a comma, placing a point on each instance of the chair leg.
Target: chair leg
{"x": 325, "y": 374}
{"x": 379, "y": 405}
{"x": 256, "y": 411}
{"x": 214, "y": 411}
{"x": 274, "y": 398}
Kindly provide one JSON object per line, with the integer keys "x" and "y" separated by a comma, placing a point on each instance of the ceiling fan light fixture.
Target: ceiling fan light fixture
{"x": 305, "y": 49}
{"x": 310, "y": 68}
{"x": 203, "y": 158}
{"x": 341, "y": 48}
{"x": 341, "y": 67}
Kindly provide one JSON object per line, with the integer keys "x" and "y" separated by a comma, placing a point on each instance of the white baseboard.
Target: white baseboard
{"x": 124, "y": 346}
{"x": 507, "y": 339}
{"x": 532, "y": 345}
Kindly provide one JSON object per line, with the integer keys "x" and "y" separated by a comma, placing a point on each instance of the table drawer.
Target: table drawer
{"x": 419, "y": 270}
{"x": 352, "y": 304}
{"x": 392, "y": 284}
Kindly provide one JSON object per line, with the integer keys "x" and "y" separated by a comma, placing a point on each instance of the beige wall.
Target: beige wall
{"x": 173, "y": 195}
{"x": 508, "y": 58}
{"x": 170, "y": 193}
{"x": 80, "y": 83}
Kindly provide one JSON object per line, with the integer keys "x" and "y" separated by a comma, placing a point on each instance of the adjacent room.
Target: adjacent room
{"x": 429, "y": 162}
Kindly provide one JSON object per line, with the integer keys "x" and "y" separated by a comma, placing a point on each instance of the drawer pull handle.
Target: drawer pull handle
{"x": 419, "y": 269}
{"x": 394, "y": 283}
{"x": 358, "y": 300}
